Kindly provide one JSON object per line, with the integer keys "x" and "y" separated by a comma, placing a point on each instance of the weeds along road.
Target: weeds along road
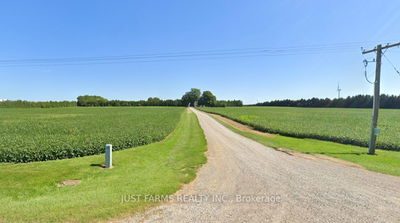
{"x": 244, "y": 181}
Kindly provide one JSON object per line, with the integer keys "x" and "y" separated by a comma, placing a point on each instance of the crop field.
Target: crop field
{"x": 30, "y": 192}
{"x": 343, "y": 125}
{"x": 36, "y": 134}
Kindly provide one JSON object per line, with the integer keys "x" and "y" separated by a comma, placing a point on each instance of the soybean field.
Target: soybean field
{"x": 37, "y": 134}
{"x": 343, "y": 125}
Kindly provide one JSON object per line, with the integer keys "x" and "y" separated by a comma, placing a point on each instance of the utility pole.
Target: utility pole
{"x": 338, "y": 91}
{"x": 376, "y": 100}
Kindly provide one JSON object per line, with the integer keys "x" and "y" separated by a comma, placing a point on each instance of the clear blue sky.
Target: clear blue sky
{"x": 59, "y": 29}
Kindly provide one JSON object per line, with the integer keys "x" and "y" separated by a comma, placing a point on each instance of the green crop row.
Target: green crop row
{"x": 343, "y": 125}
{"x": 33, "y": 134}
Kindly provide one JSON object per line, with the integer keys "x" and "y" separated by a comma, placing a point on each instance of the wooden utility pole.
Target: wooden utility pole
{"x": 376, "y": 101}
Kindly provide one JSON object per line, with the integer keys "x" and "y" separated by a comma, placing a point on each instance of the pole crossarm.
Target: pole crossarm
{"x": 383, "y": 47}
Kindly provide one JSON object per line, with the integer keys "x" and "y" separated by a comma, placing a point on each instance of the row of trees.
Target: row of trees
{"x": 41, "y": 104}
{"x": 93, "y": 100}
{"x": 358, "y": 101}
{"x": 194, "y": 97}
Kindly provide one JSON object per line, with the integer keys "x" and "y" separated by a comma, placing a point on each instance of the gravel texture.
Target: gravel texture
{"x": 244, "y": 181}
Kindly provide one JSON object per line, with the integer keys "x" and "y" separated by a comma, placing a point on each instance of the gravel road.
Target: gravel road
{"x": 244, "y": 181}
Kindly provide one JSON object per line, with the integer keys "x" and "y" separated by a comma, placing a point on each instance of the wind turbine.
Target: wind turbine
{"x": 338, "y": 90}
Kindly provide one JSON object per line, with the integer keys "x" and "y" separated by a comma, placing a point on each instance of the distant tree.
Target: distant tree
{"x": 191, "y": 97}
{"x": 154, "y": 102}
{"x": 207, "y": 99}
{"x": 92, "y": 100}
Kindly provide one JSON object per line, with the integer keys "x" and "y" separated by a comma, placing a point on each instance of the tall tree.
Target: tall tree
{"x": 207, "y": 99}
{"x": 191, "y": 97}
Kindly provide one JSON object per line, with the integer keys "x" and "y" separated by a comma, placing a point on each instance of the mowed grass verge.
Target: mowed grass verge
{"x": 387, "y": 162}
{"x": 29, "y": 191}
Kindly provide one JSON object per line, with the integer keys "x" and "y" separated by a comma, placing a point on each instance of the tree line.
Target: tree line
{"x": 194, "y": 97}
{"x": 41, "y": 104}
{"x": 357, "y": 101}
{"x": 95, "y": 101}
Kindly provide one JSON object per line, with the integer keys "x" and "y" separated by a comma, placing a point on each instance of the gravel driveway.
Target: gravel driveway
{"x": 244, "y": 181}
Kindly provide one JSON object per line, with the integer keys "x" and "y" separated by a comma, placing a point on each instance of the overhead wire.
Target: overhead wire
{"x": 155, "y": 60}
{"x": 390, "y": 62}
{"x": 185, "y": 55}
{"x": 188, "y": 55}
{"x": 152, "y": 56}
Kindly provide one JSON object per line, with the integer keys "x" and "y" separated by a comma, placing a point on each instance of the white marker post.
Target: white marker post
{"x": 108, "y": 156}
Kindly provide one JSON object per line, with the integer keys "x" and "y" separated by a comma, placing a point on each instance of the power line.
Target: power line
{"x": 270, "y": 52}
{"x": 394, "y": 67}
{"x": 186, "y": 55}
{"x": 152, "y": 56}
{"x": 183, "y": 56}
{"x": 151, "y": 61}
